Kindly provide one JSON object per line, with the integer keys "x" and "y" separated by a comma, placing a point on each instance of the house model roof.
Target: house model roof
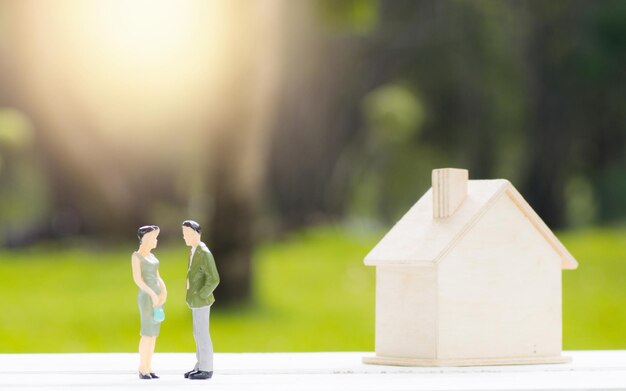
{"x": 418, "y": 238}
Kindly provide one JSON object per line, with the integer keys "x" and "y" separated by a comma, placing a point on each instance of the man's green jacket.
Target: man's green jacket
{"x": 202, "y": 278}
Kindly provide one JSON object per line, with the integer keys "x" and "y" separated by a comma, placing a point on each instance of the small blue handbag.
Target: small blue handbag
{"x": 158, "y": 314}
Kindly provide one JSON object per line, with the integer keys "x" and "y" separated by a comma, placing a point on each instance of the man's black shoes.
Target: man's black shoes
{"x": 200, "y": 375}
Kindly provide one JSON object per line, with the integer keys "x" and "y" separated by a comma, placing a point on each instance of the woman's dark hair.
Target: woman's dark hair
{"x": 144, "y": 230}
{"x": 192, "y": 224}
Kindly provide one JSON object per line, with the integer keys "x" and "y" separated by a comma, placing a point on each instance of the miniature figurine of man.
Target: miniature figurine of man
{"x": 202, "y": 279}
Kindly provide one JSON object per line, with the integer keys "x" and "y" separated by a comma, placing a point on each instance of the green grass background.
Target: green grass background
{"x": 311, "y": 293}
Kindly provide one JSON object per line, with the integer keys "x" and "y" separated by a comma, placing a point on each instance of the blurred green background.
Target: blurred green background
{"x": 311, "y": 293}
{"x": 296, "y": 133}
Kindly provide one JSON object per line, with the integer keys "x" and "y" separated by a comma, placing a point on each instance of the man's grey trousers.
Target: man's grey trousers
{"x": 204, "y": 346}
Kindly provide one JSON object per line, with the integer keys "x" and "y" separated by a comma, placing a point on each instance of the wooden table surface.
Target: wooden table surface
{"x": 589, "y": 370}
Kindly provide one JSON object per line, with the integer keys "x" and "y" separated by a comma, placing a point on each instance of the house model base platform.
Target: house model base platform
{"x": 416, "y": 362}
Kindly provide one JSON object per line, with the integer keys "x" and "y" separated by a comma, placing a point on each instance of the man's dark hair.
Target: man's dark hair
{"x": 192, "y": 224}
{"x": 144, "y": 230}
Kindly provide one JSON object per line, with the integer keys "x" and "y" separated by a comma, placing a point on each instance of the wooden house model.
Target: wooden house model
{"x": 470, "y": 275}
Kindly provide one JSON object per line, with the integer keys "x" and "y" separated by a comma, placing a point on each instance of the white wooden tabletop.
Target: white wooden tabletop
{"x": 589, "y": 370}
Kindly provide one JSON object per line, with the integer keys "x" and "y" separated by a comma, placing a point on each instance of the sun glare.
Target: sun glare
{"x": 146, "y": 32}
{"x": 130, "y": 72}
{"x": 130, "y": 59}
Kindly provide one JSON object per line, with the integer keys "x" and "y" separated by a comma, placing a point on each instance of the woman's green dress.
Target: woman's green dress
{"x": 149, "y": 327}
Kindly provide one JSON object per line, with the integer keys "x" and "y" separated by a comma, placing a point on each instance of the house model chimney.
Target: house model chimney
{"x": 449, "y": 191}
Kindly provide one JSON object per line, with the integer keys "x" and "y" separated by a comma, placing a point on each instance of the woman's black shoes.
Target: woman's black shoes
{"x": 142, "y": 376}
{"x": 153, "y": 375}
{"x": 189, "y": 373}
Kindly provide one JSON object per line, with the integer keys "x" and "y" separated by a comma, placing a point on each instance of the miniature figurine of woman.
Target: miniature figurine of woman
{"x": 152, "y": 294}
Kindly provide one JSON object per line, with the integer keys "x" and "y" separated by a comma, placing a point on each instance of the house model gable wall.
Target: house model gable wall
{"x": 500, "y": 290}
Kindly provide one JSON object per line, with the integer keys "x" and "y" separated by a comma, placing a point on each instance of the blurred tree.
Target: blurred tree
{"x": 462, "y": 59}
{"x": 600, "y": 81}
{"x": 325, "y": 75}
{"x": 341, "y": 108}
{"x": 554, "y": 106}
{"x": 131, "y": 135}
{"x": 23, "y": 187}
{"x": 238, "y": 154}
{"x": 523, "y": 90}
{"x": 393, "y": 117}
{"x": 577, "y": 121}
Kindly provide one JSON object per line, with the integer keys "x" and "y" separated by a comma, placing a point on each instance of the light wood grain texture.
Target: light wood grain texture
{"x": 481, "y": 286}
{"x": 414, "y": 294}
{"x": 449, "y": 190}
{"x": 471, "y": 362}
{"x": 419, "y": 239}
{"x": 500, "y": 291}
